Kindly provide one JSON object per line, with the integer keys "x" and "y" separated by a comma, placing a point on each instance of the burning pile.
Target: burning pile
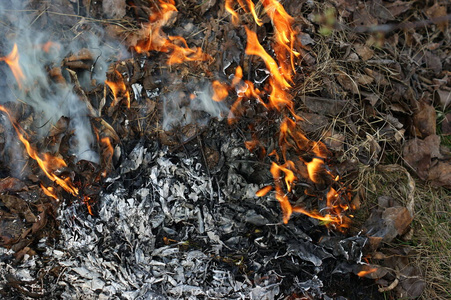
{"x": 146, "y": 174}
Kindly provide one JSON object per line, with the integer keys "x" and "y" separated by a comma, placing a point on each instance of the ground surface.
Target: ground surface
{"x": 373, "y": 83}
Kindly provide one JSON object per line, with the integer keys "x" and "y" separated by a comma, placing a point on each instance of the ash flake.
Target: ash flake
{"x": 137, "y": 89}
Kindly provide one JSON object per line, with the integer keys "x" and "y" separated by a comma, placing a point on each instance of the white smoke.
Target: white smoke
{"x": 180, "y": 110}
{"x": 49, "y": 99}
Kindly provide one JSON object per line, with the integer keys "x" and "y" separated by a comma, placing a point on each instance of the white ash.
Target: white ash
{"x": 167, "y": 230}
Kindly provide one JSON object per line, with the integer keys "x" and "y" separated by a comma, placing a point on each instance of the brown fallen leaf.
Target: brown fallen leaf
{"x": 412, "y": 283}
{"x": 440, "y": 174}
{"x": 348, "y": 83}
{"x": 398, "y": 217}
{"x": 363, "y": 79}
{"x": 363, "y": 17}
{"x": 324, "y": 106}
{"x": 388, "y": 224}
{"x": 364, "y": 51}
{"x": 336, "y": 141}
{"x": 42, "y": 220}
{"x": 418, "y": 154}
{"x": 18, "y": 206}
{"x": 446, "y": 125}
{"x": 425, "y": 120}
{"x": 442, "y": 98}
{"x": 398, "y": 7}
{"x": 312, "y": 122}
{"x": 437, "y": 11}
{"x": 433, "y": 62}
{"x": 378, "y": 77}
{"x": 11, "y": 184}
{"x": 11, "y": 228}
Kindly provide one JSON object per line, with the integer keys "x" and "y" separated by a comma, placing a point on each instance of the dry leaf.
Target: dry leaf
{"x": 433, "y": 62}
{"x": 336, "y": 141}
{"x": 418, "y": 154}
{"x": 364, "y": 52}
{"x": 446, "y": 125}
{"x": 380, "y": 79}
{"x": 440, "y": 174}
{"x": 443, "y": 98}
{"x": 393, "y": 221}
{"x": 11, "y": 184}
{"x": 312, "y": 122}
{"x": 347, "y": 83}
{"x": 18, "y": 206}
{"x": 324, "y": 106}
{"x": 424, "y": 120}
{"x": 363, "y": 17}
{"x": 412, "y": 282}
{"x": 398, "y": 217}
{"x": 437, "y": 11}
{"x": 398, "y": 7}
{"x": 364, "y": 79}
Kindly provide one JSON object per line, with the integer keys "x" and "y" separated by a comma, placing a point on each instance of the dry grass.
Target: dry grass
{"x": 432, "y": 239}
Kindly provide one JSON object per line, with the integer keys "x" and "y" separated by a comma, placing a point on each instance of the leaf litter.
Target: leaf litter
{"x": 382, "y": 95}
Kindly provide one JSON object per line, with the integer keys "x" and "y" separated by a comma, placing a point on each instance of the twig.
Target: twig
{"x": 390, "y": 287}
{"x": 408, "y": 25}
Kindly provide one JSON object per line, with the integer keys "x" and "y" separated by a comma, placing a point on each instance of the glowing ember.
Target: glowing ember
{"x": 12, "y": 60}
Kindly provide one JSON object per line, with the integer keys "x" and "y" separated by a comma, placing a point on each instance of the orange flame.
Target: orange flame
{"x": 48, "y": 164}
{"x": 50, "y": 191}
{"x": 118, "y": 88}
{"x": 108, "y": 153}
{"x": 229, "y": 8}
{"x": 49, "y": 45}
{"x": 238, "y": 76}
{"x": 314, "y": 167}
{"x": 276, "y": 171}
{"x": 250, "y": 7}
{"x": 289, "y": 175}
{"x": 87, "y": 202}
{"x": 253, "y": 12}
{"x": 263, "y": 191}
{"x": 285, "y": 36}
{"x": 255, "y": 48}
{"x": 366, "y": 272}
{"x": 156, "y": 39}
{"x": 12, "y": 60}
{"x": 220, "y": 91}
{"x": 290, "y": 137}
